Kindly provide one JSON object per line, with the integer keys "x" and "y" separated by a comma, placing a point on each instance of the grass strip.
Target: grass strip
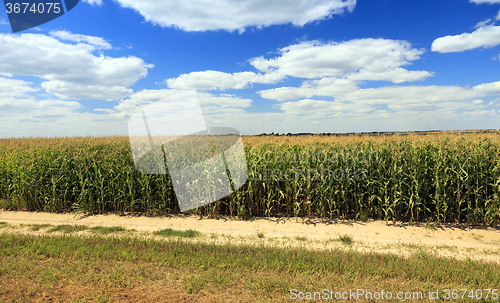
{"x": 346, "y": 239}
{"x": 175, "y": 253}
{"x": 36, "y": 227}
{"x": 106, "y": 230}
{"x": 67, "y": 228}
{"x": 178, "y": 233}
{"x": 112, "y": 269}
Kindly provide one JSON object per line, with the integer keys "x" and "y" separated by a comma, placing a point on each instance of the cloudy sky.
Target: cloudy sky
{"x": 257, "y": 65}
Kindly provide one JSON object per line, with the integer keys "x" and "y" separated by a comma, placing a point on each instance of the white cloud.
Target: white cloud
{"x": 488, "y": 89}
{"x": 230, "y": 15}
{"x": 396, "y": 75}
{"x": 331, "y": 87}
{"x": 3, "y": 21}
{"x": 379, "y": 109}
{"x": 14, "y": 88}
{"x": 485, "y": 1}
{"x": 57, "y": 118}
{"x": 339, "y": 66}
{"x": 498, "y": 16}
{"x": 93, "y": 2}
{"x": 392, "y": 108}
{"x": 410, "y": 95}
{"x": 29, "y": 107}
{"x": 308, "y": 106}
{"x": 223, "y": 101}
{"x": 211, "y": 80}
{"x": 314, "y": 59}
{"x": 65, "y": 90}
{"x": 17, "y": 105}
{"x": 208, "y": 102}
{"x": 72, "y": 71}
{"x": 94, "y": 41}
{"x": 483, "y": 23}
{"x": 487, "y": 36}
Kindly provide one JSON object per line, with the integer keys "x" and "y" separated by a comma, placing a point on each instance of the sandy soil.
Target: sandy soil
{"x": 481, "y": 243}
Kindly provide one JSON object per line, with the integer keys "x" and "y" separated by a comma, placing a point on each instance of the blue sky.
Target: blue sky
{"x": 259, "y": 66}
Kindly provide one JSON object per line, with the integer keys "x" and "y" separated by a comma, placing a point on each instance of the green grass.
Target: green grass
{"x": 103, "y": 266}
{"x": 3, "y": 224}
{"x": 106, "y": 230}
{"x": 300, "y": 238}
{"x": 67, "y": 228}
{"x": 178, "y": 233}
{"x": 260, "y": 235}
{"x": 36, "y": 227}
{"x": 346, "y": 239}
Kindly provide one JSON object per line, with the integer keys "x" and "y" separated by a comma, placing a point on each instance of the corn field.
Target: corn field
{"x": 442, "y": 178}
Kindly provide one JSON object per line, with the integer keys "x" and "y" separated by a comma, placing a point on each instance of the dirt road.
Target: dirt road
{"x": 482, "y": 243}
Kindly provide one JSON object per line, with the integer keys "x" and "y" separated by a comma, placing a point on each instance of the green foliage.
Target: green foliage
{"x": 67, "y": 228}
{"x": 36, "y": 227}
{"x": 178, "y": 233}
{"x": 106, "y": 230}
{"x": 346, "y": 239}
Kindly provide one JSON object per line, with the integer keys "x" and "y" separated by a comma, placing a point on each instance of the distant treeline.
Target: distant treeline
{"x": 419, "y": 132}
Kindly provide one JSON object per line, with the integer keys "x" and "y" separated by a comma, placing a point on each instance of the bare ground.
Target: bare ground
{"x": 478, "y": 243}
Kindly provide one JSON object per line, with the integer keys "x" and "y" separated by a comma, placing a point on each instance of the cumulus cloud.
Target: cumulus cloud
{"x": 29, "y": 107}
{"x": 72, "y": 70}
{"x": 338, "y": 68}
{"x": 393, "y": 108}
{"x": 95, "y": 41}
{"x": 93, "y": 2}
{"x": 65, "y": 90}
{"x": 231, "y": 15}
{"x": 483, "y": 23}
{"x": 498, "y": 16}
{"x": 11, "y": 88}
{"x": 211, "y": 80}
{"x": 487, "y": 36}
{"x": 383, "y": 109}
{"x": 223, "y": 101}
{"x": 401, "y": 96}
{"x": 485, "y": 1}
{"x": 21, "y": 113}
{"x": 396, "y": 75}
{"x": 330, "y": 87}
{"x": 314, "y": 59}
{"x": 335, "y": 68}
{"x": 3, "y": 21}
{"x": 308, "y": 106}
{"x": 48, "y": 118}
{"x": 488, "y": 88}
{"x": 208, "y": 101}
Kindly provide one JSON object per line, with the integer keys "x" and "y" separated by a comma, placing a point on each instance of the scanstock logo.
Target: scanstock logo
{"x": 205, "y": 164}
{"x": 26, "y": 14}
